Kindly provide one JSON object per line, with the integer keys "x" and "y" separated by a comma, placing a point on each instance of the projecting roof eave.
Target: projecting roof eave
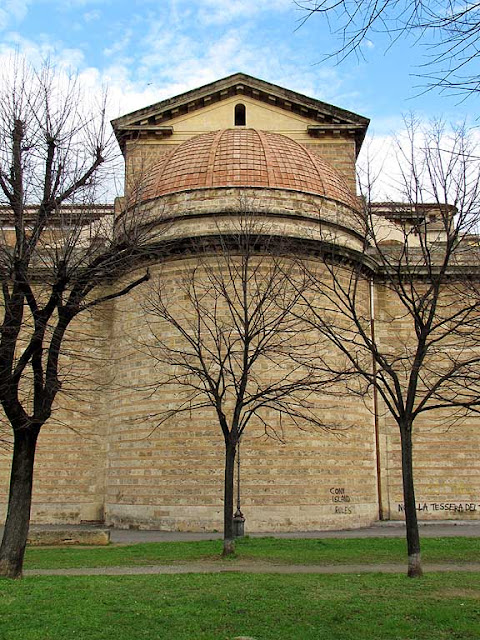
{"x": 63, "y": 215}
{"x": 320, "y": 113}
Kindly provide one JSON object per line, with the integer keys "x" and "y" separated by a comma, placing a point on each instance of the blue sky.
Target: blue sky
{"x": 147, "y": 50}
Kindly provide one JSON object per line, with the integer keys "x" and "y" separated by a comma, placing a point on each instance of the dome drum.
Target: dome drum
{"x": 210, "y": 210}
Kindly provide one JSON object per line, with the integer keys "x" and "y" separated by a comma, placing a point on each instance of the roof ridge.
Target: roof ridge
{"x": 212, "y": 155}
{"x": 267, "y": 152}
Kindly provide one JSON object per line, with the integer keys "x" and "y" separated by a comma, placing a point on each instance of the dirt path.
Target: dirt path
{"x": 245, "y": 567}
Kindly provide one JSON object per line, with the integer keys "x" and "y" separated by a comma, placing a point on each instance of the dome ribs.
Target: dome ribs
{"x": 240, "y": 160}
{"x": 162, "y": 166}
{"x": 211, "y": 159}
{"x": 188, "y": 166}
{"x": 269, "y": 158}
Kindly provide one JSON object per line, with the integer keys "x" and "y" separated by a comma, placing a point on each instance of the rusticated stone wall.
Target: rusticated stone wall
{"x": 446, "y": 464}
{"x": 170, "y": 476}
{"x": 71, "y": 452}
{"x": 104, "y": 456}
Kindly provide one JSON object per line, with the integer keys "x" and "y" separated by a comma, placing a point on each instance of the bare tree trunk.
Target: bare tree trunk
{"x": 413, "y": 537}
{"x": 228, "y": 536}
{"x": 12, "y": 549}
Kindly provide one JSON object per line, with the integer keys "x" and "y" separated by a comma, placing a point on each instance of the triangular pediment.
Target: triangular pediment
{"x": 157, "y": 118}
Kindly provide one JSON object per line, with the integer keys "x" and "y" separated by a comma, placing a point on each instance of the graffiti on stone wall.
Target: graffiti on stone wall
{"x": 437, "y": 507}
{"x": 342, "y": 500}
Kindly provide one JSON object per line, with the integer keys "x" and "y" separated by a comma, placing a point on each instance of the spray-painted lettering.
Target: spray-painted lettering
{"x": 453, "y": 507}
{"x": 338, "y": 494}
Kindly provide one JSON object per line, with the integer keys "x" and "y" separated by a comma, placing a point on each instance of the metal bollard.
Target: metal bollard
{"x": 238, "y": 524}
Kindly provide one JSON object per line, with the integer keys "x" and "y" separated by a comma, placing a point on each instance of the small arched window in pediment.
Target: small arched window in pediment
{"x": 240, "y": 115}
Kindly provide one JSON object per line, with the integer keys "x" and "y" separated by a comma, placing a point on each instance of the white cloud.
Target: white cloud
{"x": 385, "y": 162}
{"x": 37, "y": 52}
{"x": 90, "y": 16}
{"x": 223, "y": 12}
{"x": 76, "y": 4}
{"x": 174, "y": 60}
{"x": 171, "y": 57}
{"x": 120, "y": 44}
{"x": 376, "y": 167}
{"x": 163, "y": 53}
{"x": 13, "y": 11}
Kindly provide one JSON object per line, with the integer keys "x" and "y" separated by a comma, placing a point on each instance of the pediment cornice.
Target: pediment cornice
{"x": 156, "y": 118}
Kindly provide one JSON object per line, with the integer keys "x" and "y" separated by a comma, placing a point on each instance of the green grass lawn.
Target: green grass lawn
{"x": 224, "y": 606}
{"x": 288, "y": 551}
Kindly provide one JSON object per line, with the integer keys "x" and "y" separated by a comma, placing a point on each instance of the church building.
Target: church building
{"x": 193, "y": 163}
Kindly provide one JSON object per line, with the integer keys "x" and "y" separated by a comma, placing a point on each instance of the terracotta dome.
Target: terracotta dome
{"x": 245, "y": 158}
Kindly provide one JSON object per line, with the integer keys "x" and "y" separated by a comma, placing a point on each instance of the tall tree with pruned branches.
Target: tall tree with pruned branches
{"x": 421, "y": 355}
{"x": 59, "y": 256}
{"x": 238, "y": 349}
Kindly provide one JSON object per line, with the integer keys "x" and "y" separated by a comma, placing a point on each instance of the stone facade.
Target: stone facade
{"x": 103, "y": 457}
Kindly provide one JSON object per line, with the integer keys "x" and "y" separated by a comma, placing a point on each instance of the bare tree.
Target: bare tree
{"x": 422, "y": 353}
{"x": 237, "y": 347}
{"x": 448, "y": 32}
{"x": 58, "y": 258}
